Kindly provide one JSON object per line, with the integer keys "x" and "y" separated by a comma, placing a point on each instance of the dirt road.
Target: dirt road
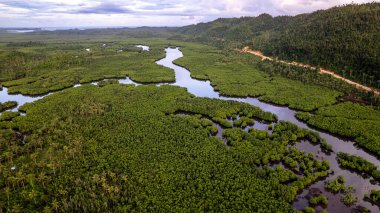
{"x": 321, "y": 70}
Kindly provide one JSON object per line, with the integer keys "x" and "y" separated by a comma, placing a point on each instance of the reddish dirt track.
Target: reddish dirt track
{"x": 321, "y": 70}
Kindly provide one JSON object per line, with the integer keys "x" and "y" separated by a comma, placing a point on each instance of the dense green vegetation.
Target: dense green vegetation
{"x": 348, "y": 119}
{"x": 234, "y": 74}
{"x": 138, "y": 32}
{"x": 261, "y": 149}
{"x": 243, "y": 122}
{"x": 7, "y": 105}
{"x": 374, "y": 197}
{"x": 35, "y": 68}
{"x": 231, "y": 73}
{"x": 327, "y": 148}
{"x": 8, "y": 115}
{"x": 319, "y": 200}
{"x": 344, "y": 38}
{"x": 358, "y": 164}
{"x": 349, "y": 198}
{"x": 124, "y": 148}
{"x": 115, "y": 147}
{"x": 313, "y": 76}
{"x": 219, "y": 111}
{"x": 309, "y": 210}
{"x": 337, "y": 186}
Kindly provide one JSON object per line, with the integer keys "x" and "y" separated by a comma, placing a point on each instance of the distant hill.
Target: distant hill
{"x": 345, "y": 39}
{"x": 138, "y": 32}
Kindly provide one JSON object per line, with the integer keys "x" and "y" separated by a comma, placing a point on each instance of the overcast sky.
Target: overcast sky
{"x": 80, "y": 13}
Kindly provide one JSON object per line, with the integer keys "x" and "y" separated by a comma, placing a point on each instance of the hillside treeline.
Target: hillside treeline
{"x": 345, "y": 39}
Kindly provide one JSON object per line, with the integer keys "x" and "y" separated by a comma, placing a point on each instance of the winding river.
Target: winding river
{"x": 204, "y": 89}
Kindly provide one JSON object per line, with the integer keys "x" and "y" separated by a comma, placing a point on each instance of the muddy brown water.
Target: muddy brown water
{"x": 200, "y": 88}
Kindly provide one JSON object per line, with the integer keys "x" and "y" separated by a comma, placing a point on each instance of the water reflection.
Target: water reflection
{"x": 20, "y": 99}
{"x": 362, "y": 185}
{"x": 127, "y": 80}
{"x": 144, "y": 48}
{"x": 183, "y": 78}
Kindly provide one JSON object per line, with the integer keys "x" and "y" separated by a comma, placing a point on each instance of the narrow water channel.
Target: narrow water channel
{"x": 20, "y": 99}
{"x": 204, "y": 89}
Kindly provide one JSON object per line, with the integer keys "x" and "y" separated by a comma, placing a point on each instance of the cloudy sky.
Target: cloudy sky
{"x": 87, "y": 13}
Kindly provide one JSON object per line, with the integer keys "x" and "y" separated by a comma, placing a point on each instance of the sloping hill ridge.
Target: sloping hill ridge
{"x": 345, "y": 39}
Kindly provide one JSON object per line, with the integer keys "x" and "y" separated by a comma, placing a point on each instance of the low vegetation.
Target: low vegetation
{"x": 314, "y": 77}
{"x": 113, "y": 147}
{"x": 358, "y": 164}
{"x": 350, "y": 120}
{"x": 337, "y": 186}
{"x": 374, "y": 197}
{"x": 319, "y": 200}
{"x": 263, "y": 149}
{"x": 234, "y": 74}
{"x": 39, "y": 68}
{"x": 124, "y": 148}
{"x": 8, "y": 115}
{"x": 107, "y": 82}
{"x": 309, "y": 210}
{"x": 349, "y": 198}
{"x": 7, "y": 105}
{"x": 327, "y": 148}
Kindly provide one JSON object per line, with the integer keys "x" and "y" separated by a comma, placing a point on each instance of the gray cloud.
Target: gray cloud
{"x": 27, "y": 5}
{"x": 104, "y": 8}
{"x": 147, "y": 12}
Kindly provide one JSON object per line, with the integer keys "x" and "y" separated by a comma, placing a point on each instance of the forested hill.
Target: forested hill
{"x": 345, "y": 39}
